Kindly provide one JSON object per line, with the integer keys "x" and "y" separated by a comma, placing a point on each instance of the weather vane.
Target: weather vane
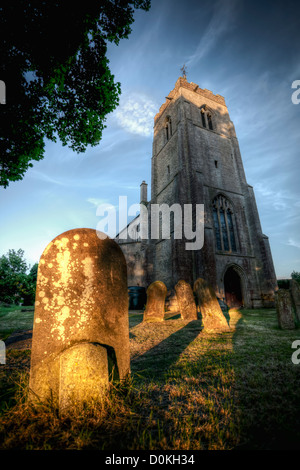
{"x": 183, "y": 70}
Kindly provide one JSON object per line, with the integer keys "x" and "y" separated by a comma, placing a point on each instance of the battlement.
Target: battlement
{"x": 183, "y": 83}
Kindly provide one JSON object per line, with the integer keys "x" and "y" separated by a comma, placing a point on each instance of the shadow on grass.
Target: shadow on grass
{"x": 226, "y": 315}
{"x": 155, "y": 362}
{"x": 267, "y": 383}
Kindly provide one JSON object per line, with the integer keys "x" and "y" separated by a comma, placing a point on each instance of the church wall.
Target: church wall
{"x": 163, "y": 266}
{"x": 166, "y": 166}
{"x": 135, "y": 255}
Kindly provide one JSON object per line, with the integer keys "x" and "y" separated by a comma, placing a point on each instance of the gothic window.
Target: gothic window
{"x": 224, "y": 230}
{"x": 206, "y": 118}
{"x": 231, "y": 230}
{"x": 223, "y": 224}
{"x": 168, "y": 127}
{"x": 217, "y": 229}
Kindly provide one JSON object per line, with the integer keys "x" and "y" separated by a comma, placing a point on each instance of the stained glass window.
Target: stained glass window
{"x": 224, "y": 230}
{"x": 224, "y": 224}
{"x": 231, "y": 231}
{"x": 217, "y": 229}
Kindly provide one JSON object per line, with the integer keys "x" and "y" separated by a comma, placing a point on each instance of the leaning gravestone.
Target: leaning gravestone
{"x": 155, "y": 307}
{"x": 284, "y": 310}
{"x": 186, "y": 301}
{"x": 211, "y": 312}
{"x": 295, "y": 293}
{"x": 80, "y": 332}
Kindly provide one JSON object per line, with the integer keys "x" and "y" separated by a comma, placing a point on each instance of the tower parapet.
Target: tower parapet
{"x": 183, "y": 83}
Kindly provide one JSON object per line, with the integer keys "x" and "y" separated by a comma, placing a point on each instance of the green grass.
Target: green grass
{"x": 189, "y": 389}
{"x": 14, "y": 318}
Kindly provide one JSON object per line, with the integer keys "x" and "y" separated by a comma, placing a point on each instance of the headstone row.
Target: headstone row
{"x": 211, "y": 312}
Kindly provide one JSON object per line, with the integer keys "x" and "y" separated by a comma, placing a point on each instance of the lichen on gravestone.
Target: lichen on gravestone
{"x": 81, "y": 330}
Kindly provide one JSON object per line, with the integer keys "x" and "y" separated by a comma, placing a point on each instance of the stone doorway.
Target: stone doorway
{"x": 233, "y": 288}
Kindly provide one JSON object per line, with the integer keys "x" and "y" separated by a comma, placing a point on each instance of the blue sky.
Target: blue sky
{"x": 246, "y": 51}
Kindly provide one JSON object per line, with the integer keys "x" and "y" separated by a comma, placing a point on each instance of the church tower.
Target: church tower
{"x": 196, "y": 160}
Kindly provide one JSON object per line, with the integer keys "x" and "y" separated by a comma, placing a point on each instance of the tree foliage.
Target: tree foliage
{"x": 58, "y": 82}
{"x": 16, "y": 285}
{"x": 296, "y": 275}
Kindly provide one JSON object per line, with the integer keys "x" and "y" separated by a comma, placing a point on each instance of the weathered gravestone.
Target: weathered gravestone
{"x": 295, "y": 293}
{"x": 284, "y": 310}
{"x": 155, "y": 307}
{"x": 81, "y": 332}
{"x": 211, "y": 312}
{"x": 171, "y": 302}
{"x": 186, "y": 301}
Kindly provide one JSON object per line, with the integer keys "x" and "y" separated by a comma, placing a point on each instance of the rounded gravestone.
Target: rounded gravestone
{"x": 81, "y": 331}
{"x": 155, "y": 307}
{"x": 211, "y": 312}
{"x": 186, "y": 301}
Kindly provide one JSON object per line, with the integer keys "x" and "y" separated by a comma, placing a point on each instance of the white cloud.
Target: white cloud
{"x": 135, "y": 114}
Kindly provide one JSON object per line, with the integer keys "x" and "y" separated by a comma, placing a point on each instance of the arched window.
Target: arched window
{"x": 206, "y": 118}
{"x": 168, "y": 127}
{"x": 224, "y": 224}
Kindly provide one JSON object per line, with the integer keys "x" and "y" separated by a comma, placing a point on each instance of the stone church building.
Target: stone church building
{"x": 196, "y": 160}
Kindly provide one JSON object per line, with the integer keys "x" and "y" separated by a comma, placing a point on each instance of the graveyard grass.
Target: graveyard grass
{"x": 189, "y": 389}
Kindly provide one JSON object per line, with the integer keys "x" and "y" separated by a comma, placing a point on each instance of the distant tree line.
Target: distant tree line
{"x": 17, "y": 279}
{"x": 285, "y": 283}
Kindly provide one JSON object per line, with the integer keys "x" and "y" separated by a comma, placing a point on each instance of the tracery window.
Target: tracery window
{"x": 223, "y": 219}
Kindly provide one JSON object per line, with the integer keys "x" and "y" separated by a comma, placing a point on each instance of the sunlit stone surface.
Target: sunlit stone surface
{"x": 155, "y": 307}
{"x": 186, "y": 301}
{"x": 81, "y": 330}
{"x": 211, "y": 312}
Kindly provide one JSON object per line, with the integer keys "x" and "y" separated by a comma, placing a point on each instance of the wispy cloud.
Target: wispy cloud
{"x": 292, "y": 242}
{"x": 97, "y": 202}
{"x": 279, "y": 200}
{"x": 221, "y": 21}
{"x": 135, "y": 114}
